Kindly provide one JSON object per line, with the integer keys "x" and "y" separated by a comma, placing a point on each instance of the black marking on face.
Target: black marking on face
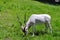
{"x": 24, "y": 31}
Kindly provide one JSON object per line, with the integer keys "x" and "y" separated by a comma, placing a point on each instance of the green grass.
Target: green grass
{"x": 10, "y": 28}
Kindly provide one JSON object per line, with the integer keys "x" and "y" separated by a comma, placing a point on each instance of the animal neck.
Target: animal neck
{"x": 28, "y": 24}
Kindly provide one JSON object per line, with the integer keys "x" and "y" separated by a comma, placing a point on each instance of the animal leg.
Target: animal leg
{"x": 34, "y": 29}
{"x": 50, "y": 27}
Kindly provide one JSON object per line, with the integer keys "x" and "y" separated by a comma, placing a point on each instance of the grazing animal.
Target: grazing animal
{"x": 35, "y": 18}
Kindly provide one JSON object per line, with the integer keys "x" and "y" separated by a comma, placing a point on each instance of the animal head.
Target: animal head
{"x": 23, "y": 27}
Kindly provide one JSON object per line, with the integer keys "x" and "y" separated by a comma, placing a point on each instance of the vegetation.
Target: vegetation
{"x": 10, "y": 28}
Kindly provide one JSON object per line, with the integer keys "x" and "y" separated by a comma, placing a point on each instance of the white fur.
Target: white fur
{"x": 42, "y": 18}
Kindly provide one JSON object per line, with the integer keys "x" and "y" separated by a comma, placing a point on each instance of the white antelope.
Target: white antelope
{"x": 35, "y": 18}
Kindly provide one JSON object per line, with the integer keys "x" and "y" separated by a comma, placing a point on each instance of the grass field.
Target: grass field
{"x": 10, "y": 28}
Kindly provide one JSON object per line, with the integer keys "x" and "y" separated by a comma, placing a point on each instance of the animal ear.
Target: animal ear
{"x": 22, "y": 27}
{"x": 25, "y": 18}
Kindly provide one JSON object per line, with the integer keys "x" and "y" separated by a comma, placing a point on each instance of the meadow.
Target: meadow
{"x": 10, "y": 28}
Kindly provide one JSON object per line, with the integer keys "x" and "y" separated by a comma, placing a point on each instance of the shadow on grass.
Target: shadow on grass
{"x": 39, "y": 33}
{"x": 49, "y": 2}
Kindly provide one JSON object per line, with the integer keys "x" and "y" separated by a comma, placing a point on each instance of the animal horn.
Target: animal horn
{"x": 25, "y": 18}
{"x": 19, "y": 21}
